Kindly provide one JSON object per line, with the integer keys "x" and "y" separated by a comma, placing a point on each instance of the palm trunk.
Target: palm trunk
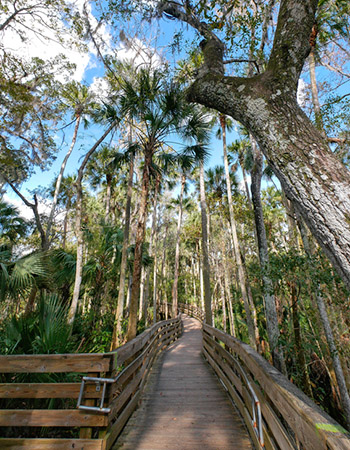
{"x": 108, "y": 196}
{"x": 177, "y": 247}
{"x": 121, "y": 292}
{"x": 270, "y": 305}
{"x": 237, "y": 251}
{"x": 205, "y": 251}
{"x": 140, "y": 234}
{"x": 60, "y": 176}
{"x": 155, "y": 287}
{"x": 79, "y": 232}
{"x": 79, "y": 263}
{"x": 314, "y": 90}
{"x": 151, "y": 246}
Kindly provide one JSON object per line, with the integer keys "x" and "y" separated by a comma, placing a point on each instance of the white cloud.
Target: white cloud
{"x": 139, "y": 54}
{"x": 100, "y": 88}
{"x": 42, "y": 42}
{"x": 23, "y": 210}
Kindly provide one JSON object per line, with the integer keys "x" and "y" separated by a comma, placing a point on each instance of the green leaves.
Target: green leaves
{"x": 19, "y": 274}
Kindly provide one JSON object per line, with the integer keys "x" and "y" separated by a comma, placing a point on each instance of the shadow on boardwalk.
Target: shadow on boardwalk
{"x": 184, "y": 405}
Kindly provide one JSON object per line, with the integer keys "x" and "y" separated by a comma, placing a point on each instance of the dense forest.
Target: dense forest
{"x": 130, "y": 218}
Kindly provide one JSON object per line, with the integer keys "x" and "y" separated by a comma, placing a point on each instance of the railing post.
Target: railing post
{"x": 85, "y": 432}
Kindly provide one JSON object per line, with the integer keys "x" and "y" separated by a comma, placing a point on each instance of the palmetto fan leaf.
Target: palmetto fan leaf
{"x": 25, "y": 270}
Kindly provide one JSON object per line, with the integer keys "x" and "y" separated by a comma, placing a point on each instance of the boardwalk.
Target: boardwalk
{"x": 184, "y": 405}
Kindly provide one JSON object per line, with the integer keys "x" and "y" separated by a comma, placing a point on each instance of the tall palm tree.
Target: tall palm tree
{"x": 247, "y": 300}
{"x": 158, "y": 110}
{"x": 76, "y": 97}
{"x": 108, "y": 114}
{"x": 205, "y": 248}
{"x": 100, "y": 171}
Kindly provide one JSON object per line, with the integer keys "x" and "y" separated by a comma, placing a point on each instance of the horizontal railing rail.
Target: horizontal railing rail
{"x": 192, "y": 310}
{"x": 289, "y": 419}
{"x": 107, "y": 408}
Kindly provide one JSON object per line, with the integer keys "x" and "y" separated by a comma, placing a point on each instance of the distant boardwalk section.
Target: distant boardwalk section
{"x": 184, "y": 406}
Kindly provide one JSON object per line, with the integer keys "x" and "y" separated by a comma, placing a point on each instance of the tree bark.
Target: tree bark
{"x": 314, "y": 89}
{"x": 177, "y": 247}
{"x": 205, "y": 251}
{"x": 151, "y": 246}
{"x": 312, "y": 177}
{"x": 121, "y": 292}
{"x": 140, "y": 235}
{"x": 237, "y": 252}
{"x": 79, "y": 232}
{"x": 268, "y": 291}
{"x": 60, "y": 176}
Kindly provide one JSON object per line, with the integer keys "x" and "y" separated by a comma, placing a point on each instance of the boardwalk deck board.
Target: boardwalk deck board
{"x": 184, "y": 405}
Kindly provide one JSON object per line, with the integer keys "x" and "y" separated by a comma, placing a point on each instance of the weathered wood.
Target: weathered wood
{"x": 183, "y": 406}
{"x": 119, "y": 424}
{"x": 52, "y": 444}
{"x": 46, "y": 390}
{"x": 310, "y": 424}
{"x": 55, "y": 363}
{"x": 130, "y": 349}
{"x": 51, "y": 418}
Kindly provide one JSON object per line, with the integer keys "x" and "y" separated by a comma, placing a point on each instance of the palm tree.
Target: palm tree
{"x": 77, "y": 97}
{"x": 247, "y": 300}
{"x": 100, "y": 170}
{"x": 108, "y": 113}
{"x": 205, "y": 249}
{"x": 268, "y": 290}
{"x": 158, "y": 110}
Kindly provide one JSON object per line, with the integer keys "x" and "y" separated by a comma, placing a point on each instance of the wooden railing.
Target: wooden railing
{"x": 192, "y": 310}
{"x": 128, "y": 366}
{"x": 288, "y": 418}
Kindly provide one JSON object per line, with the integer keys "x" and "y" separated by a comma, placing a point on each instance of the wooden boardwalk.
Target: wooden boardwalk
{"x": 184, "y": 405}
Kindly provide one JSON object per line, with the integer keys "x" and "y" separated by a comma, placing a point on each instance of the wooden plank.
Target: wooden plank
{"x": 129, "y": 349}
{"x": 119, "y": 424}
{"x": 120, "y": 401}
{"x": 46, "y": 390}
{"x": 51, "y": 444}
{"x": 226, "y": 367}
{"x": 51, "y": 418}
{"x": 55, "y": 363}
{"x": 272, "y": 420}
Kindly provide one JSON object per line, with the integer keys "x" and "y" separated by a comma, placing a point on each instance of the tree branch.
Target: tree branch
{"x": 291, "y": 44}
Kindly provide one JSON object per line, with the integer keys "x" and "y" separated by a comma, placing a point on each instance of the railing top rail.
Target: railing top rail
{"x": 78, "y": 362}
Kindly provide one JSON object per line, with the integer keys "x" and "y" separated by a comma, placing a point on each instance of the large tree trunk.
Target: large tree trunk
{"x": 266, "y": 105}
{"x": 269, "y": 298}
{"x": 140, "y": 235}
{"x": 121, "y": 293}
{"x": 177, "y": 247}
{"x": 205, "y": 250}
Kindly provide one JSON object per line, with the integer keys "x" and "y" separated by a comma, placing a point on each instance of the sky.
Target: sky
{"x": 89, "y": 69}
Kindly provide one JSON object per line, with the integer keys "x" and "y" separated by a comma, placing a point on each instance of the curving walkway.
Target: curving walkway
{"x": 184, "y": 406}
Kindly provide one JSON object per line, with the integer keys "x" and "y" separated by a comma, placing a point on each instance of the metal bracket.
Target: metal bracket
{"x": 98, "y": 382}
